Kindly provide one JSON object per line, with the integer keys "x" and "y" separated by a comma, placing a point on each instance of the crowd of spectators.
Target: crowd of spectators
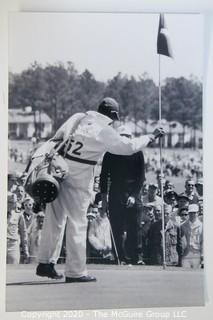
{"x": 183, "y": 219}
{"x": 24, "y": 222}
{"x": 183, "y": 226}
{"x": 175, "y": 164}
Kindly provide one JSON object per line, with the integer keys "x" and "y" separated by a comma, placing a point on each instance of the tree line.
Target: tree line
{"x": 60, "y": 91}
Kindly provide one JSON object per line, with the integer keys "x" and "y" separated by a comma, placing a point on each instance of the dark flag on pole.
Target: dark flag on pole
{"x": 163, "y": 43}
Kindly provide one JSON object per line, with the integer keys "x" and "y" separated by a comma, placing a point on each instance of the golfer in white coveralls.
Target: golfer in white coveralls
{"x": 93, "y": 137}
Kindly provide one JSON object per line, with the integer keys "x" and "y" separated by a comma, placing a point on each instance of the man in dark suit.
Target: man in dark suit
{"x": 122, "y": 179}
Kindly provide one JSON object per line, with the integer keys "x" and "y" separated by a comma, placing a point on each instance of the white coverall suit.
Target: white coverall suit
{"x": 93, "y": 137}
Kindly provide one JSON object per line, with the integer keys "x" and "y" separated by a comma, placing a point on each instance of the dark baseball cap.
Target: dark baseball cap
{"x": 153, "y": 185}
{"x": 170, "y": 194}
{"x": 199, "y": 182}
{"x": 110, "y": 108}
{"x": 182, "y": 196}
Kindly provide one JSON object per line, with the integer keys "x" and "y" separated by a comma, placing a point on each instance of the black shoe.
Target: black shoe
{"x": 48, "y": 270}
{"x": 80, "y": 279}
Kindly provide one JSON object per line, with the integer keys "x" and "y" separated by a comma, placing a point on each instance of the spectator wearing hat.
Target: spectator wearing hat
{"x": 199, "y": 188}
{"x": 30, "y": 222}
{"x": 145, "y": 189}
{"x": 170, "y": 197}
{"x": 150, "y": 212}
{"x": 169, "y": 186}
{"x": 172, "y": 240}
{"x": 147, "y": 221}
{"x": 35, "y": 236}
{"x": 99, "y": 235}
{"x": 190, "y": 191}
{"x": 16, "y": 232}
{"x": 172, "y": 237}
{"x": 20, "y": 192}
{"x": 22, "y": 179}
{"x": 160, "y": 180}
{"x": 91, "y": 216}
{"x": 158, "y": 212}
{"x": 28, "y": 213}
{"x": 126, "y": 175}
{"x": 152, "y": 196}
{"x": 182, "y": 201}
{"x": 192, "y": 239}
{"x": 184, "y": 215}
{"x": 11, "y": 182}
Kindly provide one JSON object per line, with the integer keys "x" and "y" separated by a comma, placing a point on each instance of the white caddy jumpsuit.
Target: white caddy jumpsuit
{"x": 91, "y": 140}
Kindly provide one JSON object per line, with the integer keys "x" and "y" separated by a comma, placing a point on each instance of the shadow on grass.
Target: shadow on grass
{"x": 35, "y": 283}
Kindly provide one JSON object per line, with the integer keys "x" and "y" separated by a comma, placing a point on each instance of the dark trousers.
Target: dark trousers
{"x": 134, "y": 234}
{"x": 125, "y": 219}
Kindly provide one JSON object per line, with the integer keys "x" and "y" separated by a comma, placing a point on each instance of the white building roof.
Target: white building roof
{"x": 20, "y": 116}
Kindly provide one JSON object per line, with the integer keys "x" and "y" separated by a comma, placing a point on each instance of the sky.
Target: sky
{"x": 106, "y": 43}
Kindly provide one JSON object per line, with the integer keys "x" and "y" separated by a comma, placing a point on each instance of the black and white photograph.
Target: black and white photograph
{"x": 105, "y": 163}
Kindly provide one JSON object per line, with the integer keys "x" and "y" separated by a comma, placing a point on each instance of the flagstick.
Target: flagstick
{"x": 161, "y": 170}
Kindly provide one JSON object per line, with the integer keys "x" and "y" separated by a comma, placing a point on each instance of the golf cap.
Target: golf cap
{"x": 193, "y": 208}
{"x": 153, "y": 185}
{"x": 170, "y": 194}
{"x": 40, "y": 214}
{"x": 28, "y": 199}
{"x": 183, "y": 196}
{"x": 158, "y": 207}
{"x": 91, "y": 215}
{"x": 199, "y": 182}
{"x": 110, "y": 108}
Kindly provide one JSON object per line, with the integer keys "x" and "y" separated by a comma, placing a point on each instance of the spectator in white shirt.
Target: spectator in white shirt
{"x": 16, "y": 232}
{"x": 192, "y": 239}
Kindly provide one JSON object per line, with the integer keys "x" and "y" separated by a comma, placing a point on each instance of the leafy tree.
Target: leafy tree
{"x": 26, "y": 89}
{"x": 149, "y": 98}
{"x": 56, "y": 86}
{"x": 91, "y": 91}
{"x": 61, "y": 91}
{"x": 114, "y": 89}
{"x": 182, "y": 99}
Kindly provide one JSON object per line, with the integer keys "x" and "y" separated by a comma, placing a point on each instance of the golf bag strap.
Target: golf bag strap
{"x": 58, "y": 147}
